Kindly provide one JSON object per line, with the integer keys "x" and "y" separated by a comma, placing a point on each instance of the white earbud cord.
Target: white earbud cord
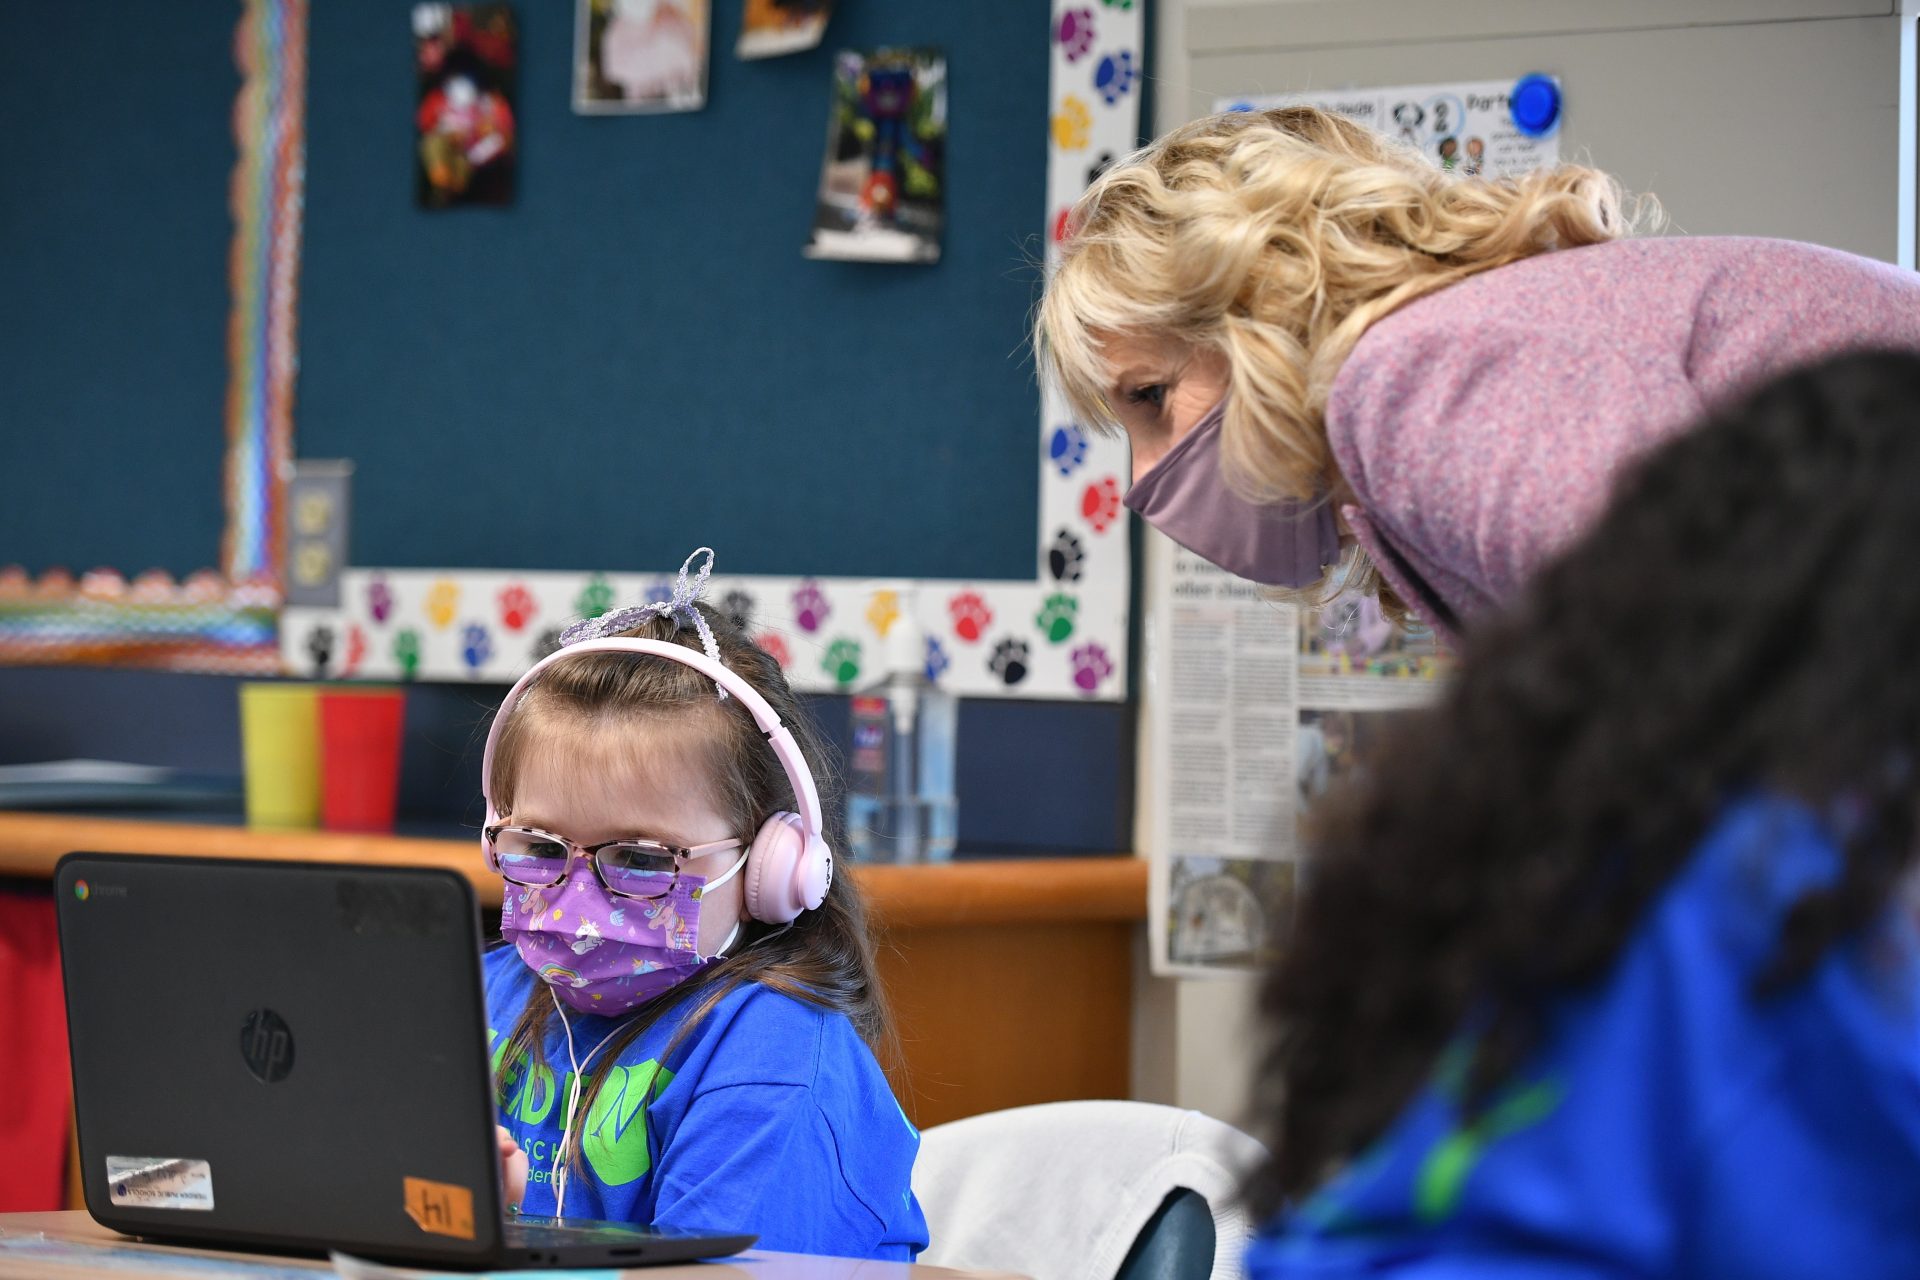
{"x": 709, "y": 887}
{"x": 724, "y": 876}
{"x": 557, "y": 1175}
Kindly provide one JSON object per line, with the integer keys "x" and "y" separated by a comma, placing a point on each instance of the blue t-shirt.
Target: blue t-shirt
{"x": 1670, "y": 1124}
{"x": 771, "y": 1116}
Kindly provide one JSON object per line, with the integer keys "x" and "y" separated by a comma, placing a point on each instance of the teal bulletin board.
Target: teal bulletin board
{"x": 630, "y": 359}
{"x": 634, "y": 358}
{"x": 117, "y": 152}
{"x": 548, "y": 406}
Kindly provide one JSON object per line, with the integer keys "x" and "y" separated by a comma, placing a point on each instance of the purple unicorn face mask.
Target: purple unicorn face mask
{"x": 602, "y": 953}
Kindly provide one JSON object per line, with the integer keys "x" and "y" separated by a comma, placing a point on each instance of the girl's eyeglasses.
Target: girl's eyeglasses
{"x": 631, "y": 868}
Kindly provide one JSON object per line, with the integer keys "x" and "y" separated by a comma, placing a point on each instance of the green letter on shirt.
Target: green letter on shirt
{"x": 615, "y": 1137}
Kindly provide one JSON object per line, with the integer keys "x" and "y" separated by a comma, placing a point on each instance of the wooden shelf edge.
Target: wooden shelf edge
{"x": 956, "y": 894}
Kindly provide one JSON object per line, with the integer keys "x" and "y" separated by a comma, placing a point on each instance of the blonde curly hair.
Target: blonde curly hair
{"x": 1275, "y": 239}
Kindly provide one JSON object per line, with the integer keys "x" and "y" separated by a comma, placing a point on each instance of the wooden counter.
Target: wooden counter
{"x": 980, "y": 892}
{"x": 1011, "y": 979}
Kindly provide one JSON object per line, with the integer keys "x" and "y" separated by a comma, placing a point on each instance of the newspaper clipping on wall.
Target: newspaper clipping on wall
{"x": 1255, "y": 709}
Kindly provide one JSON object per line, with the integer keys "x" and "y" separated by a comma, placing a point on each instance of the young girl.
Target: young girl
{"x": 1609, "y": 967}
{"x": 684, "y": 1013}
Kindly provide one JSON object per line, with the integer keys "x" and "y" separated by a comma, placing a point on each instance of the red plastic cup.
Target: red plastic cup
{"x": 360, "y": 757}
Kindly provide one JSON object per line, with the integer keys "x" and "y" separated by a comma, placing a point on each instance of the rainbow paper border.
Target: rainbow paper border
{"x": 224, "y": 621}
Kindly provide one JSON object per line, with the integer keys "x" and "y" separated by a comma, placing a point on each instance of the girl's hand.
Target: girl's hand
{"x": 513, "y": 1168}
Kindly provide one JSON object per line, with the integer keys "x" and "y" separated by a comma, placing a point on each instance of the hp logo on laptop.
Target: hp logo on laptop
{"x": 267, "y": 1045}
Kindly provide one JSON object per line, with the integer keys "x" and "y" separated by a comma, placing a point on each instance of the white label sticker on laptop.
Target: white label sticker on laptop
{"x": 159, "y": 1182}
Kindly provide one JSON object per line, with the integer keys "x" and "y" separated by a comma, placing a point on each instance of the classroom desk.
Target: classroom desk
{"x": 1011, "y": 979}
{"x": 124, "y": 1263}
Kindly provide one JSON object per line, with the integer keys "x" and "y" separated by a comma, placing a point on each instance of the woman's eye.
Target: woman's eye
{"x": 1155, "y": 395}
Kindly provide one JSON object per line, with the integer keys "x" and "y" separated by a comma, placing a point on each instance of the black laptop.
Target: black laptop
{"x": 293, "y": 1056}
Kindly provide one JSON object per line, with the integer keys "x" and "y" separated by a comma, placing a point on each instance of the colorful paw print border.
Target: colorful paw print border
{"x": 1045, "y": 639}
{"x": 1062, "y": 635}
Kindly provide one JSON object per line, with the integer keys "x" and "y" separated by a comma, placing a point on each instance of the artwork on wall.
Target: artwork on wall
{"x": 769, "y": 28}
{"x": 641, "y": 55}
{"x": 882, "y": 184}
{"x": 465, "y": 148}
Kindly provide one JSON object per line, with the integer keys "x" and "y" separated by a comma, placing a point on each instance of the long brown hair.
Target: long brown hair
{"x": 825, "y": 957}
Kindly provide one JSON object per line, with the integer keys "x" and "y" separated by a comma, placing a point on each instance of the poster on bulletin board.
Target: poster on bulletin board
{"x": 771, "y": 28}
{"x": 881, "y": 185}
{"x": 466, "y": 58}
{"x": 640, "y": 55}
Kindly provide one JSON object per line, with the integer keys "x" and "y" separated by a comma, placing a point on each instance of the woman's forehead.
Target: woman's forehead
{"x": 1130, "y": 353}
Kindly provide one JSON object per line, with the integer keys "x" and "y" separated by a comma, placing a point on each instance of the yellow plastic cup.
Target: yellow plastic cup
{"x": 280, "y": 753}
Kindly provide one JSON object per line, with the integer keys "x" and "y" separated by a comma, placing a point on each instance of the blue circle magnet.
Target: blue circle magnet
{"x": 1534, "y": 105}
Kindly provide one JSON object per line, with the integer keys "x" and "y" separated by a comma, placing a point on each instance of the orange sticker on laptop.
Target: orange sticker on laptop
{"x": 440, "y": 1208}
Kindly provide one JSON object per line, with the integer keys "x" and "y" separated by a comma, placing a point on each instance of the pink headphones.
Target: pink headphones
{"x": 789, "y": 867}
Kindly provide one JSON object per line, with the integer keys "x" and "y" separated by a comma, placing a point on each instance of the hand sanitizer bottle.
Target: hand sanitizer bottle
{"x": 900, "y": 797}
{"x": 939, "y": 809}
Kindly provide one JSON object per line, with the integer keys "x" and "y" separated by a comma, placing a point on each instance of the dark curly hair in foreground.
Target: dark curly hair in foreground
{"x": 1745, "y": 615}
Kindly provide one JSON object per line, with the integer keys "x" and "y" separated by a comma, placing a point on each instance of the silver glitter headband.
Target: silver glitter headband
{"x": 678, "y": 605}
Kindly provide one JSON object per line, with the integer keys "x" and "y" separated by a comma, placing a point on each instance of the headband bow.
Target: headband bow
{"x": 678, "y": 605}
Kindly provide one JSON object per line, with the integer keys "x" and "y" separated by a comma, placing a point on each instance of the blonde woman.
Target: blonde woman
{"x": 1331, "y": 358}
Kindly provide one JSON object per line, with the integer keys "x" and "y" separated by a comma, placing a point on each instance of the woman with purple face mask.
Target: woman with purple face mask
{"x": 685, "y": 1012}
{"x": 1337, "y": 364}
